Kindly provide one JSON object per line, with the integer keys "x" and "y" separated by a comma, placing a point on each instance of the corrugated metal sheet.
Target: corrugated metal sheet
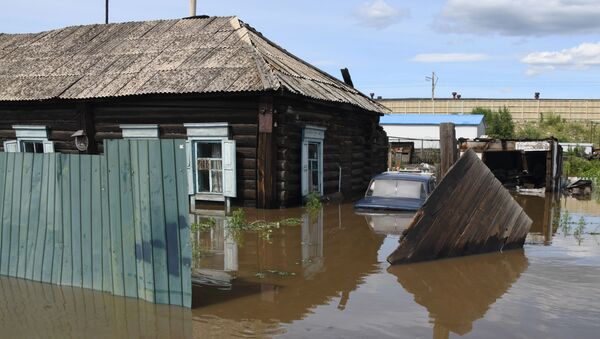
{"x": 116, "y": 222}
{"x": 199, "y": 55}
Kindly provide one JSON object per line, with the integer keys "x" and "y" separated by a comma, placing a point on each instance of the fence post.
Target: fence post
{"x": 448, "y": 150}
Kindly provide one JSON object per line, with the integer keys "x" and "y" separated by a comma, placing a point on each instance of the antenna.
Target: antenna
{"x": 434, "y": 79}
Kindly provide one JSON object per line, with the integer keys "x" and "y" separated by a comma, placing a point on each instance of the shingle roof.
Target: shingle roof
{"x": 193, "y": 55}
{"x": 431, "y": 119}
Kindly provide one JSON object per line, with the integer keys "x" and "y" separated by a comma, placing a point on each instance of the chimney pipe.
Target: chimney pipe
{"x": 192, "y": 8}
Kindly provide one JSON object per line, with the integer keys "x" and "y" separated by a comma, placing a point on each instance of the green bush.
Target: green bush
{"x": 499, "y": 124}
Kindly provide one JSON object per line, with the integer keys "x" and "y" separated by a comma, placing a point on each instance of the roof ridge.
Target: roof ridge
{"x": 335, "y": 81}
{"x": 267, "y": 76}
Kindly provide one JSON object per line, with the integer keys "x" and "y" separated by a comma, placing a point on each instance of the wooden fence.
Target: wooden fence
{"x": 116, "y": 222}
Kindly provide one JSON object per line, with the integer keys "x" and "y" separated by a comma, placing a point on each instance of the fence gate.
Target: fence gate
{"x": 116, "y": 222}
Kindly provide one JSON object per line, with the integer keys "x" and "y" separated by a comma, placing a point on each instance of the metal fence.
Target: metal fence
{"x": 116, "y": 222}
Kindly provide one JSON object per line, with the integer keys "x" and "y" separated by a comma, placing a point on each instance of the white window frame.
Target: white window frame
{"x": 312, "y": 134}
{"x": 139, "y": 131}
{"x": 212, "y": 132}
{"x": 31, "y": 133}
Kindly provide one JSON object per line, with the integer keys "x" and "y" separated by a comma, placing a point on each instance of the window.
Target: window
{"x": 397, "y": 189}
{"x": 312, "y": 160}
{"x": 313, "y": 167}
{"x": 211, "y": 162}
{"x": 209, "y": 166}
{"x": 30, "y": 139}
{"x": 31, "y": 146}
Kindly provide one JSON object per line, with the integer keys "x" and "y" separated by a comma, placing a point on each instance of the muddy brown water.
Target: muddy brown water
{"x": 327, "y": 278}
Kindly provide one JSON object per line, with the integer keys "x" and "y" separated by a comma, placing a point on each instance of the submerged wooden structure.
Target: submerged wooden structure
{"x": 470, "y": 212}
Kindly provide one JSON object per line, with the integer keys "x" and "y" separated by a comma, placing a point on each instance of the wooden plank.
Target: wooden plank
{"x": 107, "y": 276}
{"x": 34, "y": 214}
{"x": 448, "y": 149}
{"x": 114, "y": 202}
{"x": 145, "y": 220}
{"x": 171, "y": 222}
{"x": 67, "y": 258}
{"x": 157, "y": 213}
{"x": 58, "y": 221}
{"x": 15, "y": 215}
{"x": 468, "y": 213}
{"x": 184, "y": 224}
{"x": 3, "y": 171}
{"x": 40, "y": 241}
{"x": 75, "y": 186}
{"x": 134, "y": 147}
{"x": 7, "y": 214}
{"x": 127, "y": 222}
{"x": 96, "y": 240}
{"x": 50, "y": 225}
{"x": 86, "y": 219}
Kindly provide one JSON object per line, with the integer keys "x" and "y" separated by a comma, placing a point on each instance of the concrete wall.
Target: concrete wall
{"x": 521, "y": 109}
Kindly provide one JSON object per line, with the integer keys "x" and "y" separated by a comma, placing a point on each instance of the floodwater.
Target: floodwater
{"x": 327, "y": 278}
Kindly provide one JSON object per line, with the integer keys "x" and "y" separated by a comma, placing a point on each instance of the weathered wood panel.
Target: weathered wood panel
{"x": 116, "y": 223}
{"x": 469, "y": 212}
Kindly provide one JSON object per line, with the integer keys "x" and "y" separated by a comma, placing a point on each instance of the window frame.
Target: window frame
{"x": 31, "y": 133}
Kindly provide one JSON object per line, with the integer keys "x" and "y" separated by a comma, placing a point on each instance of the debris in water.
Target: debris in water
{"x": 469, "y": 212}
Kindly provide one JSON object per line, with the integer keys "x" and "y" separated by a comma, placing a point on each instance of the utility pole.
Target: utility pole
{"x": 434, "y": 79}
{"x": 106, "y": 12}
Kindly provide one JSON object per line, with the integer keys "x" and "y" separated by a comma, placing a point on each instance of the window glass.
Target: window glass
{"x": 313, "y": 167}
{"x": 397, "y": 189}
{"x": 32, "y": 146}
{"x": 209, "y": 167}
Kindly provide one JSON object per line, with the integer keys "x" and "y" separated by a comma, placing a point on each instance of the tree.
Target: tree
{"x": 499, "y": 124}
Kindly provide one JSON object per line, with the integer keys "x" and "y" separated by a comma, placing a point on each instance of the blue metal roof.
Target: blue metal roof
{"x": 431, "y": 119}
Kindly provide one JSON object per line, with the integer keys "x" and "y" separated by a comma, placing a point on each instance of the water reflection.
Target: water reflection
{"x": 456, "y": 292}
{"x": 300, "y": 268}
{"x": 33, "y": 310}
{"x": 389, "y": 223}
{"x": 544, "y": 211}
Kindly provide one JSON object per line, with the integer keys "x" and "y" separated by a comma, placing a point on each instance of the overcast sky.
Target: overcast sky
{"x": 479, "y": 48}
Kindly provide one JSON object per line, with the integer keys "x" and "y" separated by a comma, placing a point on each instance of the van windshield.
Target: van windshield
{"x": 397, "y": 189}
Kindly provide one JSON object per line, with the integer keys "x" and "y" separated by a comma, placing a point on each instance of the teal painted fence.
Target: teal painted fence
{"x": 116, "y": 222}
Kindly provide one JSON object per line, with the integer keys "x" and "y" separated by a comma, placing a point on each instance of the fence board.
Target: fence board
{"x": 34, "y": 214}
{"x": 96, "y": 234}
{"x": 159, "y": 250}
{"x": 116, "y": 222}
{"x": 6, "y": 216}
{"x": 58, "y": 223}
{"x": 15, "y": 216}
{"x": 75, "y": 186}
{"x": 48, "y": 252}
{"x": 86, "y": 219}
{"x": 127, "y": 226}
{"x": 67, "y": 262}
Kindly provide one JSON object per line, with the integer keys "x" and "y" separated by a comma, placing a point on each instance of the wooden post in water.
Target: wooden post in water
{"x": 448, "y": 150}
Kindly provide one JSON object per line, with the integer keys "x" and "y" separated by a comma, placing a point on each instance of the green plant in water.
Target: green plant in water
{"x": 313, "y": 202}
{"x": 238, "y": 225}
{"x": 204, "y": 226}
{"x": 579, "y": 230}
{"x": 565, "y": 223}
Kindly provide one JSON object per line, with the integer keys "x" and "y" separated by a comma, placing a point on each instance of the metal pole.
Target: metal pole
{"x": 106, "y": 12}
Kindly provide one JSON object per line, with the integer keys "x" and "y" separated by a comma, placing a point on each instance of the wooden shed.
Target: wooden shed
{"x": 263, "y": 127}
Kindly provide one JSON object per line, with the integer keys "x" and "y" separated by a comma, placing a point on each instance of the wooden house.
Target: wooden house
{"x": 263, "y": 127}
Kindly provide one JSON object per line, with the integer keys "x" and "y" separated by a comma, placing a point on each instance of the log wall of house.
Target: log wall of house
{"x": 353, "y": 140}
{"x": 170, "y": 113}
